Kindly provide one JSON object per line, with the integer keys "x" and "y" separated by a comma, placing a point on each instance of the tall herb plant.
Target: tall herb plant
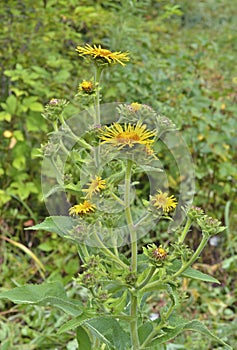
{"x": 90, "y": 173}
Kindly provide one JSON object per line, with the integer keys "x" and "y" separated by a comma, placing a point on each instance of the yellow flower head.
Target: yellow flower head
{"x": 127, "y": 135}
{"x": 83, "y": 208}
{"x": 162, "y": 201}
{"x": 95, "y": 186}
{"x": 106, "y": 56}
{"x": 87, "y": 87}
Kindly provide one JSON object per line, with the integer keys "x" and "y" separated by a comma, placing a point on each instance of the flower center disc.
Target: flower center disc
{"x": 127, "y": 136}
{"x": 103, "y": 52}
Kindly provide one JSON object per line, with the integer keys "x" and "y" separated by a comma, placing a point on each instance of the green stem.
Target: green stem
{"x": 78, "y": 139}
{"x": 195, "y": 255}
{"x": 98, "y": 72}
{"x": 148, "y": 277}
{"x": 82, "y": 252}
{"x": 142, "y": 219}
{"x": 133, "y": 323}
{"x": 227, "y": 224}
{"x": 109, "y": 253}
{"x": 128, "y": 215}
{"x": 55, "y": 125}
{"x": 185, "y": 230}
{"x": 133, "y": 238}
{"x": 117, "y": 199}
{"x": 160, "y": 325}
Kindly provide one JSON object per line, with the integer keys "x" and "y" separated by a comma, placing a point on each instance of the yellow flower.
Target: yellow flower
{"x": 83, "y": 208}
{"x": 95, "y": 186}
{"x": 87, "y": 87}
{"x": 106, "y": 56}
{"x": 162, "y": 201}
{"x": 127, "y": 135}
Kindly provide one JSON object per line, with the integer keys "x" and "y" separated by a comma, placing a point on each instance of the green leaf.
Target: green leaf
{"x": 193, "y": 273}
{"x": 83, "y": 339}
{"x": 198, "y": 275}
{"x": 109, "y": 331}
{"x": 57, "y": 224}
{"x": 5, "y": 116}
{"x": 118, "y": 304}
{"x": 19, "y": 135}
{"x": 19, "y": 163}
{"x": 179, "y": 325}
{"x": 198, "y": 326}
{"x": 144, "y": 331}
{"x": 52, "y": 293}
{"x": 35, "y": 122}
{"x": 6, "y": 345}
{"x": 11, "y": 103}
{"x": 155, "y": 286}
{"x": 36, "y": 107}
{"x": 75, "y": 322}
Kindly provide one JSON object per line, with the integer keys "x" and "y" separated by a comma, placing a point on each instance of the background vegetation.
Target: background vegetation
{"x": 183, "y": 64}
